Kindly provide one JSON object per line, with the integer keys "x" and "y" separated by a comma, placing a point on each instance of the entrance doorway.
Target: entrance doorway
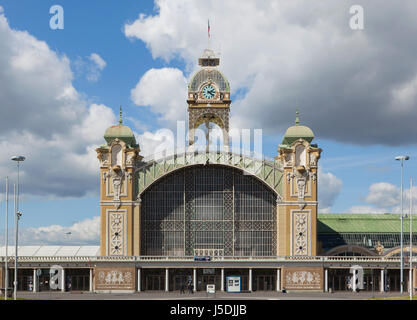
{"x": 264, "y": 279}
{"x": 179, "y": 278}
{"x": 153, "y": 279}
{"x": 208, "y": 276}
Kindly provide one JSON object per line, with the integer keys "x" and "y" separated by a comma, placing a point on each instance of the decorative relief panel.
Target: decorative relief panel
{"x": 303, "y": 278}
{"x": 103, "y": 158}
{"x": 116, "y": 184}
{"x": 313, "y": 159}
{"x": 301, "y": 233}
{"x": 114, "y": 278}
{"x": 117, "y": 225}
{"x": 300, "y": 183}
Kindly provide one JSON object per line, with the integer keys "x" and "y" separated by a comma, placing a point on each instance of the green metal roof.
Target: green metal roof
{"x": 121, "y": 132}
{"x": 363, "y": 223}
{"x": 296, "y": 132}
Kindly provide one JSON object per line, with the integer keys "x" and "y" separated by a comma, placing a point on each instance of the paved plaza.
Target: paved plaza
{"x": 203, "y": 296}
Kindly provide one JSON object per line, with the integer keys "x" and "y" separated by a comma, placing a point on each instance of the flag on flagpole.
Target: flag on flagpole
{"x": 208, "y": 27}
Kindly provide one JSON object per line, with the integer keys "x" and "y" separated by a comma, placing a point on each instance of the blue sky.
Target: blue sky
{"x": 359, "y": 130}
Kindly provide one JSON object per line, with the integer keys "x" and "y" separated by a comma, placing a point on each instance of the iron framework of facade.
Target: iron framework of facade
{"x": 269, "y": 172}
{"x": 208, "y": 210}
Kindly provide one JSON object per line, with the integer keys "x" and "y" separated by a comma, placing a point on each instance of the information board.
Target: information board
{"x": 233, "y": 284}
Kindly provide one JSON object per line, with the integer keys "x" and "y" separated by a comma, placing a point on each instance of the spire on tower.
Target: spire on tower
{"x": 120, "y": 116}
{"x": 297, "y": 119}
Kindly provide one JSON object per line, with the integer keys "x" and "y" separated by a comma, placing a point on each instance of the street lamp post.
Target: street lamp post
{"x": 402, "y": 159}
{"x": 17, "y": 216}
{"x": 411, "y": 280}
{"x": 6, "y": 269}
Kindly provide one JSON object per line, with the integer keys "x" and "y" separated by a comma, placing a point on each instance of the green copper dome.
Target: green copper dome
{"x": 120, "y": 132}
{"x": 296, "y": 132}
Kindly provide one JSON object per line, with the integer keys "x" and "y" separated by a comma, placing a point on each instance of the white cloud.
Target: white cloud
{"x": 45, "y": 119}
{"x": 366, "y": 210}
{"x": 95, "y": 68}
{"x": 165, "y": 90}
{"x": 85, "y": 232}
{"x": 298, "y": 53}
{"x": 98, "y": 60}
{"x": 329, "y": 187}
{"x": 89, "y": 67}
{"x": 385, "y": 197}
{"x": 158, "y": 144}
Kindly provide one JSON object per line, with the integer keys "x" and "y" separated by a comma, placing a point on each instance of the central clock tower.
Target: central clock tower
{"x": 209, "y": 98}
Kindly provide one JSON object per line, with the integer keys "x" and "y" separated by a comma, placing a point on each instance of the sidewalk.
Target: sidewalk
{"x": 161, "y": 295}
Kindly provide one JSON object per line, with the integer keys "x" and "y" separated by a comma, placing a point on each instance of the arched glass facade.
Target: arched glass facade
{"x": 208, "y": 210}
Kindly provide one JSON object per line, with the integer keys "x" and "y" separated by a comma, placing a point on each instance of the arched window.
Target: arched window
{"x": 116, "y": 155}
{"x": 208, "y": 210}
{"x": 300, "y": 155}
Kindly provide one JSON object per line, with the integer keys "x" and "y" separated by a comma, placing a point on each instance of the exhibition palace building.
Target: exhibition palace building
{"x": 201, "y": 217}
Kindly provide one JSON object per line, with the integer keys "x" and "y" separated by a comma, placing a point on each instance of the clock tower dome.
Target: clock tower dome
{"x": 209, "y": 98}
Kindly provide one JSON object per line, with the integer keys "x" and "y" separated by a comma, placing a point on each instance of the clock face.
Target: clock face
{"x": 209, "y": 92}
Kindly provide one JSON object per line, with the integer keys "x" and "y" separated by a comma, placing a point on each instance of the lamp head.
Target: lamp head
{"x": 19, "y": 214}
{"x": 18, "y": 158}
{"x": 402, "y": 158}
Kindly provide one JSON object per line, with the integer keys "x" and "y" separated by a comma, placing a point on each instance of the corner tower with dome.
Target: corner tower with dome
{"x": 297, "y": 214}
{"x": 119, "y": 208}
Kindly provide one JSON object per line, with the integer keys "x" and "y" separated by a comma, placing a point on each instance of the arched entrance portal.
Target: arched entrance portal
{"x": 208, "y": 210}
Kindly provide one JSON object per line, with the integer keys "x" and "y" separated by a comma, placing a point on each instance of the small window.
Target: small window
{"x": 300, "y": 155}
{"x": 116, "y": 155}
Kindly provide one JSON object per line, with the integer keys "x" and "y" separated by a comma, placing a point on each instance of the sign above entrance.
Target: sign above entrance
{"x": 202, "y": 258}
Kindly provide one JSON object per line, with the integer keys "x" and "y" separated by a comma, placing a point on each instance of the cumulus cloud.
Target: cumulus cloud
{"x": 165, "y": 91}
{"x": 45, "y": 119}
{"x": 329, "y": 187}
{"x": 384, "y": 197}
{"x": 85, "y": 232}
{"x": 89, "y": 67}
{"x": 350, "y": 86}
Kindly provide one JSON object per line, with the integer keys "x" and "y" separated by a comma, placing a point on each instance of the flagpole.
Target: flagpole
{"x": 208, "y": 34}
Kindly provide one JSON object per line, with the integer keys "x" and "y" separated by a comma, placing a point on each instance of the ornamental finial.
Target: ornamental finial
{"x": 120, "y": 116}
{"x": 297, "y": 119}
